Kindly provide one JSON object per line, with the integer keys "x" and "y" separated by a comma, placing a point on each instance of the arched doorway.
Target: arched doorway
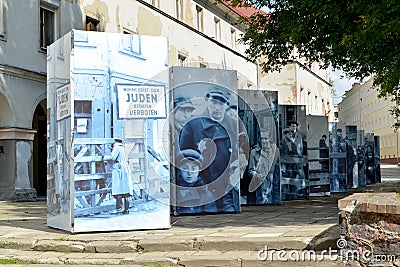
{"x": 7, "y": 148}
{"x": 40, "y": 150}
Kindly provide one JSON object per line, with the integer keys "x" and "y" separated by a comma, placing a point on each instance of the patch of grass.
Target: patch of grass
{"x": 15, "y": 261}
{"x": 8, "y": 261}
{"x": 62, "y": 239}
{"x": 398, "y": 193}
{"x": 370, "y": 195}
{"x": 3, "y": 246}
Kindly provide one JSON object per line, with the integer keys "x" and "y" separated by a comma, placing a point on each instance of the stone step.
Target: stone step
{"x": 175, "y": 258}
{"x": 170, "y": 244}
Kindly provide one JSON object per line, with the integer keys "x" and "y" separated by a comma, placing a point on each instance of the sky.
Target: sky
{"x": 340, "y": 85}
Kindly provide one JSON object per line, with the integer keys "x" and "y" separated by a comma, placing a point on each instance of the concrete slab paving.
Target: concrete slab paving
{"x": 209, "y": 240}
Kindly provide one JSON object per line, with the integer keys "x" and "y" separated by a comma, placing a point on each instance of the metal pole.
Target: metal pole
{"x": 397, "y": 145}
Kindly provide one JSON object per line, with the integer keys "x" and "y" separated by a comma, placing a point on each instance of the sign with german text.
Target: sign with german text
{"x": 63, "y": 106}
{"x": 141, "y": 101}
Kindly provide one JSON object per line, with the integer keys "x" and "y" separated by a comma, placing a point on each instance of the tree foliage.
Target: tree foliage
{"x": 360, "y": 37}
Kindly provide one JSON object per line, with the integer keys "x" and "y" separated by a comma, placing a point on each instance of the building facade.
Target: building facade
{"x": 362, "y": 107}
{"x": 300, "y": 83}
{"x": 200, "y": 34}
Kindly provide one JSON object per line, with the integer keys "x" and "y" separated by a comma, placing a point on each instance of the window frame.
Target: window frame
{"x": 178, "y": 9}
{"x": 90, "y": 19}
{"x": 3, "y": 25}
{"x": 182, "y": 60}
{"x": 233, "y": 38}
{"x": 46, "y": 7}
{"x": 199, "y": 18}
{"x": 217, "y": 29}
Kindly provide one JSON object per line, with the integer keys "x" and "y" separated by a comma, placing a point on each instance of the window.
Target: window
{"x": 233, "y": 38}
{"x": 178, "y": 8}
{"x": 92, "y": 24}
{"x": 203, "y": 65}
{"x": 131, "y": 43}
{"x": 155, "y": 3}
{"x": 217, "y": 29}
{"x": 2, "y": 18}
{"x": 199, "y": 19}
{"x": 181, "y": 60}
{"x": 47, "y": 25}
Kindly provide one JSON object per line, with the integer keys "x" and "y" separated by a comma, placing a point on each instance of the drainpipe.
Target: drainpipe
{"x": 258, "y": 75}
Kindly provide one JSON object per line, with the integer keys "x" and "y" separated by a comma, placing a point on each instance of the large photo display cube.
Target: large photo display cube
{"x": 108, "y": 103}
{"x": 318, "y": 155}
{"x": 260, "y": 180}
{"x": 337, "y": 157}
{"x": 293, "y": 149}
{"x": 205, "y": 148}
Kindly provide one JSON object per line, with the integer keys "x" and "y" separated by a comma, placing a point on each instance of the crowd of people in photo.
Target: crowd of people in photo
{"x": 212, "y": 161}
{"x": 211, "y": 135}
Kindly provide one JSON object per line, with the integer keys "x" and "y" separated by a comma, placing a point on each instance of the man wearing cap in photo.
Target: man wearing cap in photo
{"x": 192, "y": 195}
{"x": 264, "y": 170}
{"x": 287, "y": 147}
{"x": 214, "y": 135}
{"x": 298, "y": 138}
{"x": 183, "y": 110}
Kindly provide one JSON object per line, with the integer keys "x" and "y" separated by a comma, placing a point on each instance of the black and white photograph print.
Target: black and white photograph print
{"x": 352, "y": 157}
{"x": 206, "y": 154}
{"x": 338, "y": 158}
{"x": 377, "y": 143}
{"x": 318, "y": 155}
{"x": 118, "y": 174}
{"x": 260, "y": 182}
{"x": 293, "y": 150}
{"x": 361, "y": 157}
{"x": 370, "y": 167}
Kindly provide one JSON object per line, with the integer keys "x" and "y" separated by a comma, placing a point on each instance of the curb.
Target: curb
{"x": 153, "y": 245}
{"x": 176, "y": 258}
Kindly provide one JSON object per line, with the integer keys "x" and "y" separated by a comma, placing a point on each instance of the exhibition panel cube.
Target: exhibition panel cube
{"x": 337, "y": 157}
{"x": 370, "y": 168}
{"x": 108, "y": 166}
{"x": 259, "y": 147}
{"x": 318, "y": 155}
{"x": 293, "y": 149}
{"x": 352, "y": 157}
{"x": 205, "y": 148}
{"x": 361, "y": 157}
{"x": 377, "y": 143}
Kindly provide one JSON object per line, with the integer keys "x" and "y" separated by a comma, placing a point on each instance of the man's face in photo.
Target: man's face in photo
{"x": 265, "y": 142}
{"x": 216, "y": 109}
{"x": 182, "y": 115}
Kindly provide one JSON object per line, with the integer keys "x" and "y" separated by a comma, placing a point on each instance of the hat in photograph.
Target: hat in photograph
{"x": 287, "y": 130}
{"x": 188, "y": 155}
{"x": 183, "y": 102}
{"x": 218, "y": 94}
{"x": 265, "y": 134}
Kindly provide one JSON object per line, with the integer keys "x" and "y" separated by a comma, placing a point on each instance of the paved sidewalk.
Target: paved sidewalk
{"x": 207, "y": 240}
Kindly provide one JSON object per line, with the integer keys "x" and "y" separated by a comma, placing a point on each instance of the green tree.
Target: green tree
{"x": 358, "y": 36}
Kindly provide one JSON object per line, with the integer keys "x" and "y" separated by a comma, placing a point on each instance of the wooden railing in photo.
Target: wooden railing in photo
{"x": 52, "y": 203}
{"x": 92, "y": 179}
{"x": 93, "y": 174}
